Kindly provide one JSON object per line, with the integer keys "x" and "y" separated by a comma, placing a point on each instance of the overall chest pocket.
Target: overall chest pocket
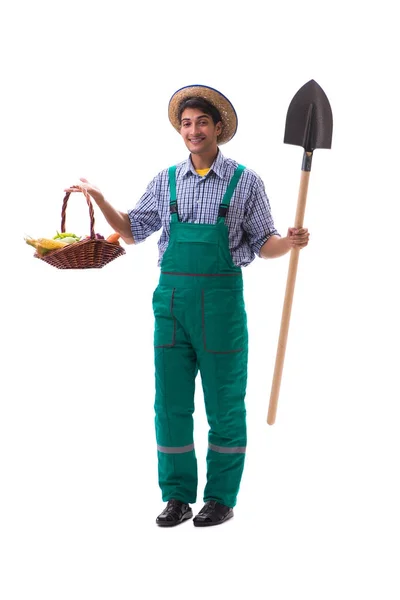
{"x": 164, "y": 320}
{"x": 194, "y": 248}
{"x": 224, "y": 322}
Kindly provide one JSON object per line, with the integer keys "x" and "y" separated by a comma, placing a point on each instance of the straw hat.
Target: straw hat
{"x": 225, "y": 108}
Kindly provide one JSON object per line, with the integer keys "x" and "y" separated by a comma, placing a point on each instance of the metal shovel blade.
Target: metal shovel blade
{"x": 309, "y": 120}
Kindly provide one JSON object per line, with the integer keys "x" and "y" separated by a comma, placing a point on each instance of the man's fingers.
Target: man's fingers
{"x": 75, "y": 188}
{"x": 300, "y": 240}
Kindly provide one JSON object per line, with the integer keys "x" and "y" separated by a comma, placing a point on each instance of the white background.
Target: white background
{"x": 85, "y": 87}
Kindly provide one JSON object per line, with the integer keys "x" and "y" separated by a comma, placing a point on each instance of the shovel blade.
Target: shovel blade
{"x": 309, "y": 120}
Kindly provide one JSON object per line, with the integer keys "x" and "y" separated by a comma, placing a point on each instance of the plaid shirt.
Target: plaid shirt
{"x": 249, "y": 218}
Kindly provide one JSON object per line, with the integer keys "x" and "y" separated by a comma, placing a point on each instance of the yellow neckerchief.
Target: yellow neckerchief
{"x": 202, "y": 172}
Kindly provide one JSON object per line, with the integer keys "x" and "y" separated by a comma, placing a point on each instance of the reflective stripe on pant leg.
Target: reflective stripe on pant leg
{"x": 176, "y": 450}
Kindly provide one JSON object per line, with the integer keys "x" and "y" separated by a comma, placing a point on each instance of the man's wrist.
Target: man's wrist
{"x": 286, "y": 243}
{"x": 98, "y": 198}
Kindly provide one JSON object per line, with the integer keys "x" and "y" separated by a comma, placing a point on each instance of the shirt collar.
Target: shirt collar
{"x": 218, "y": 167}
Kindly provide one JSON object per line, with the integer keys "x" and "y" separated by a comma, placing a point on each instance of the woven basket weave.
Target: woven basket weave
{"x": 90, "y": 253}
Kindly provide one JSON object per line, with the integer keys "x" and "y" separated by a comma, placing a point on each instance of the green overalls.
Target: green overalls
{"x": 200, "y": 324}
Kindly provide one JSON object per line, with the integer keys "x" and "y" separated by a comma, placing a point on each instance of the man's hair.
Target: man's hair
{"x": 201, "y": 104}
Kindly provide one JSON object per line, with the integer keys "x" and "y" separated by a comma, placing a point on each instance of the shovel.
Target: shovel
{"x": 308, "y": 124}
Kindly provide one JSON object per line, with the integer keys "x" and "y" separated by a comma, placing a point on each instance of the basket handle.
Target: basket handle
{"x": 91, "y": 212}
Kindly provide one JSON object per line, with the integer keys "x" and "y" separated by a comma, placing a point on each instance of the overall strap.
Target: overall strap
{"x": 223, "y": 209}
{"x": 172, "y": 193}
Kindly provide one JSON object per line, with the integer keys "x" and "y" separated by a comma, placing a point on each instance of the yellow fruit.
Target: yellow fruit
{"x": 44, "y": 245}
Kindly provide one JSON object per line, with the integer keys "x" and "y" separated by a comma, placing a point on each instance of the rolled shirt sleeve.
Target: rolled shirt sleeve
{"x": 144, "y": 217}
{"x": 258, "y": 222}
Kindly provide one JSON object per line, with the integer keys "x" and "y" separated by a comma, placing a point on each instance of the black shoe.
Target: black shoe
{"x": 212, "y": 513}
{"x": 174, "y": 513}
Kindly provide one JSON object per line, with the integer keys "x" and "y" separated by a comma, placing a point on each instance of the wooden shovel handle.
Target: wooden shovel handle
{"x": 287, "y": 305}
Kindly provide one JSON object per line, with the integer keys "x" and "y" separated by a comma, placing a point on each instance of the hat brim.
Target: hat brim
{"x": 221, "y": 103}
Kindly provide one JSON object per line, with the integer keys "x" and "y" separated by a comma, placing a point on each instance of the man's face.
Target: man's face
{"x": 199, "y": 131}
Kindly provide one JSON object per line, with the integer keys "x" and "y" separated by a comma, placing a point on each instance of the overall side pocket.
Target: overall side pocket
{"x": 223, "y": 321}
{"x": 165, "y": 322}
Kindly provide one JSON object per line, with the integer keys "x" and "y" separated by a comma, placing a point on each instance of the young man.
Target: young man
{"x": 215, "y": 218}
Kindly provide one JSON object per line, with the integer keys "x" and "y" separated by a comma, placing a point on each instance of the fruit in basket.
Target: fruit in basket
{"x": 97, "y": 236}
{"x": 69, "y": 238}
{"x": 45, "y": 245}
{"x": 114, "y": 238}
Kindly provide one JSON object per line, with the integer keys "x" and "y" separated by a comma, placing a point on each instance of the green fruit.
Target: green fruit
{"x": 62, "y": 236}
{"x": 70, "y": 240}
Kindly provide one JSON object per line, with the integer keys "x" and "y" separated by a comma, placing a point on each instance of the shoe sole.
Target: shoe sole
{"x": 186, "y": 516}
{"x": 205, "y": 524}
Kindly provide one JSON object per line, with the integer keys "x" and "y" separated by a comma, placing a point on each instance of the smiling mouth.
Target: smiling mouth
{"x": 196, "y": 140}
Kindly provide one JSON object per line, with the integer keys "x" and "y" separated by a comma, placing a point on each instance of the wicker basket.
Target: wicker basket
{"x": 90, "y": 253}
